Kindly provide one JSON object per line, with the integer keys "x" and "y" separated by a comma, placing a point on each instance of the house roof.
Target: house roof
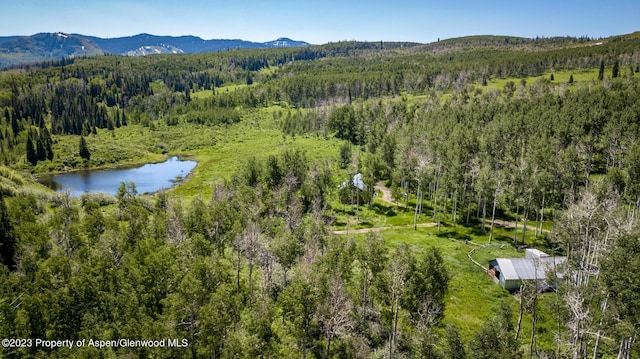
{"x": 528, "y": 268}
{"x": 356, "y": 181}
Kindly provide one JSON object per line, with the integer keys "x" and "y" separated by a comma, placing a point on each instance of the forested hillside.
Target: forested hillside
{"x": 19, "y": 50}
{"x": 485, "y": 145}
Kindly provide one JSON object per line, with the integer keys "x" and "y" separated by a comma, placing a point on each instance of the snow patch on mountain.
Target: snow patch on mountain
{"x": 155, "y": 50}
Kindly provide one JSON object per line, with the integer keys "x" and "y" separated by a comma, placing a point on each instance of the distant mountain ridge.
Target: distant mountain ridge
{"x": 16, "y": 50}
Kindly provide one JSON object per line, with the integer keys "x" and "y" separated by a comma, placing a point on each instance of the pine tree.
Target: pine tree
{"x": 83, "y": 149}
{"x": 45, "y": 137}
{"x": 7, "y": 237}
{"x": 15, "y": 126}
{"x": 616, "y": 70}
{"x": 32, "y": 157}
{"x": 455, "y": 346}
{"x": 9, "y": 139}
{"x": 345, "y": 155}
{"x": 41, "y": 152}
{"x": 601, "y": 71}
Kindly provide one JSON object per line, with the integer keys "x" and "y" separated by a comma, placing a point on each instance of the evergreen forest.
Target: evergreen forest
{"x": 347, "y": 200}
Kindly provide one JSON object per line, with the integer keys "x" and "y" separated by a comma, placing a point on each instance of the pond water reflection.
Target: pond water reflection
{"x": 148, "y": 178}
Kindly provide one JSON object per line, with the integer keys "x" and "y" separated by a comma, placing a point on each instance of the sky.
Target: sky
{"x": 319, "y": 22}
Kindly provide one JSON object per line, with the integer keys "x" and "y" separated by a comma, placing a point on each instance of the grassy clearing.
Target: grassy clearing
{"x": 473, "y": 296}
{"x": 580, "y": 76}
{"x": 256, "y": 136}
{"x": 562, "y": 77}
{"x": 383, "y": 214}
{"x": 268, "y": 70}
{"x": 130, "y": 145}
{"x": 204, "y": 94}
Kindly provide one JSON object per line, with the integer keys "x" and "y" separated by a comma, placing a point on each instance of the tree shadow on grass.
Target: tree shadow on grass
{"x": 383, "y": 210}
{"x": 339, "y": 223}
{"x": 366, "y": 224}
{"x": 455, "y": 234}
{"x": 502, "y": 239}
{"x": 478, "y": 231}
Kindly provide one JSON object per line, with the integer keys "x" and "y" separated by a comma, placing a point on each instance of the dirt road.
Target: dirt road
{"x": 386, "y": 195}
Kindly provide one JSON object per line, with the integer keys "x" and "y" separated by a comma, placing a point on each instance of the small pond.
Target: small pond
{"x": 149, "y": 178}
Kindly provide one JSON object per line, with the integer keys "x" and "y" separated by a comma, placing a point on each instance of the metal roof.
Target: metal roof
{"x": 534, "y": 253}
{"x": 357, "y": 182}
{"x": 507, "y": 270}
{"x": 528, "y": 268}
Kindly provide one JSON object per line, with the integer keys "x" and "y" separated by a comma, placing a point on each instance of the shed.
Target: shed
{"x": 512, "y": 272}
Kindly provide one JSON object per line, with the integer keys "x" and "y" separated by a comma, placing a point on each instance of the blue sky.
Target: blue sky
{"x": 321, "y": 21}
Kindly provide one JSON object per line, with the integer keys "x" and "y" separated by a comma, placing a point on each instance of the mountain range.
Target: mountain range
{"x": 17, "y": 50}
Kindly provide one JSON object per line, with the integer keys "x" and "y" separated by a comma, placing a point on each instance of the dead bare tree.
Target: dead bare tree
{"x": 397, "y": 272}
{"x": 251, "y": 246}
{"x": 335, "y": 313}
{"x": 625, "y": 347}
{"x": 590, "y": 223}
{"x": 428, "y": 317}
{"x": 496, "y": 193}
{"x": 175, "y": 227}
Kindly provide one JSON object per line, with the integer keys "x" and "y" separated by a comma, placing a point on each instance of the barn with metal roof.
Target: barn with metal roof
{"x": 511, "y": 273}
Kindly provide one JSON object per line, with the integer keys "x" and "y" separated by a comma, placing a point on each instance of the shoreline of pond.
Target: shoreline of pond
{"x": 80, "y": 177}
{"x": 120, "y": 165}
